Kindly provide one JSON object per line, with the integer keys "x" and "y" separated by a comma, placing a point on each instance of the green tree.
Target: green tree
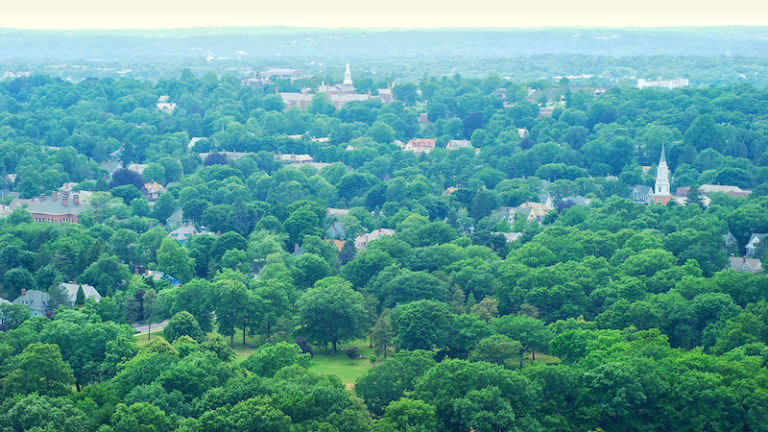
{"x": 183, "y": 324}
{"x": 38, "y": 369}
{"x": 423, "y": 324}
{"x": 173, "y": 259}
{"x": 17, "y": 279}
{"x": 331, "y": 312}
{"x": 271, "y": 358}
{"x": 409, "y": 415}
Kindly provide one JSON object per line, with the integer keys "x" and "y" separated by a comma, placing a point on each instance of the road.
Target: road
{"x": 140, "y": 328}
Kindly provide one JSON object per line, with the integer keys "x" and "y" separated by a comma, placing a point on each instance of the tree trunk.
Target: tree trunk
{"x": 333, "y": 347}
{"x": 533, "y": 352}
{"x": 77, "y": 385}
{"x": 149, "y": 331}
{"x": 243, "y": 333}
{"x": 521, "y": 359}
{"x": 232, "y": 340}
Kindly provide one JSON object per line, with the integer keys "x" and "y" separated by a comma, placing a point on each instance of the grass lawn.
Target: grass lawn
{"x": 341, "y": 365}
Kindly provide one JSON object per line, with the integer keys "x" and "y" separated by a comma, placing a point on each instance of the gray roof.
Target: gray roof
{"x": 37, "y": 301}
{"x": 71, "y": 291}
{"x": 4, "y": 301}
{"x": 49, "y": 206}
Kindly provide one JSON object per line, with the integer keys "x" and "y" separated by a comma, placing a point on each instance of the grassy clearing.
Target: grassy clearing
{"x": 348, "y": 370}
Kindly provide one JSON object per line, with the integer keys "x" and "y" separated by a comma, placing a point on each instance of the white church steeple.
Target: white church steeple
{"x": 661, "y": 191}
{"x": 347, "y": 77}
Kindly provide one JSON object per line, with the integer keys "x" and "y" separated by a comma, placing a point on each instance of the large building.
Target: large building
{"x": 58, "y": 208}
{"x": 668, "y": 84}
{"x": 338, "y": 94}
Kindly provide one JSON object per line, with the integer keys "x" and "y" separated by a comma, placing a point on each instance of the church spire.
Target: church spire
{"x": 661, "y": 191}
{"x": 347, "y": 76}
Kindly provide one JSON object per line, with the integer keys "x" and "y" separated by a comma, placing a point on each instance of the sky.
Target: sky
{"x": 158, "y": 14}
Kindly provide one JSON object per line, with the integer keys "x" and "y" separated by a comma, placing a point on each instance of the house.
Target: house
{"x": 5, "y": 211}
{"x": 153, "y": 190}
{"x": 361, "y": 241}
{"x": 37, "y": 301}
{"x": 335, "y": 231}
{"x": 164, "y": 104}
{"x": 572, "y": 201}
{"x": 511, "y": 236}
{"x": 229, "y": 155}
{"x": 734, "y": 191}
{"x": 745, "y": 265}
{"x": 458, "y": 144}
{"x": 175, "y": 220}
{"x": 295, "y": 159}
{"x": 336, "y": 213}
{"x": 533, "y": 211}
{"x": 183, "y": 233}
{"x": 642, "y": 194}
{"x": 70, "y": 291}
{"x": 55, "y": 209}
{"x": 158, "y": 275}
{"x": 729, "y": 239}
{"x": 137, "y": 168}
{"x": 339, "y": 244}
{"x": 420, "y": 145}
{"x": 754, "y": 242}
{"x": 449, "y": 190}
{"x": 523, "y": 133}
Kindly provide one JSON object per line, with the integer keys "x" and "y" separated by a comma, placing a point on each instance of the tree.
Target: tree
{"x": 13, "y": 315}
{"x": 407, "y": 93}
{"x": 382, "y": 334}
{"x": 151, "y": 308}
{"x": 529, "y": 331}
{"x": 391, "y": 379}
{"x": 331, "y": 312}
{"x": 80, "y": 296}
{"x": 271, "y": 358}
{"x": 107, "y": 274}
{"x": 139, "y": 417}
{"x": 410, "y": 415}
{"x": 423, "y": 324}
{"x": 172, "y": 259}
{"x": 234, "y": 304}
{"x": 180, "y": 324}
{"x": 39, "y": 369}
{"x": 497, "y": 349}
{"x": 17, "y": 279}
{"x": 124, "y": 177}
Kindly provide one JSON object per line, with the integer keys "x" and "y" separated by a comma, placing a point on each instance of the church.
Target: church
{"x": 661, "y": 193}
{"x": 338, "y": 94}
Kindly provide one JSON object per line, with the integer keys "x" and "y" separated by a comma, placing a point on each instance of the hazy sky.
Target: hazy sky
{"x": 99, "y": 14}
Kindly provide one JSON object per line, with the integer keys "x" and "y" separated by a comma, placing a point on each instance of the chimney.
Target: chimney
{"x": 42, "y": 197}
{"x": 23, "y": 292}
{"x": 65, "y": 199}
{"x": 54, "y": 196}
{"x": 76, "y": 199}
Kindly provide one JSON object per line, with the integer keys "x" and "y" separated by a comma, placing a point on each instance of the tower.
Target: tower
{"x": 347, "y": 77}
{"x": 661, "y": 191}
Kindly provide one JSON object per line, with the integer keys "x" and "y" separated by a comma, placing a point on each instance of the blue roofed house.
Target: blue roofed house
{"x": 38, "y": 302}
{"x": 335, "y": 231}
{"x": 753, "y": 244}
